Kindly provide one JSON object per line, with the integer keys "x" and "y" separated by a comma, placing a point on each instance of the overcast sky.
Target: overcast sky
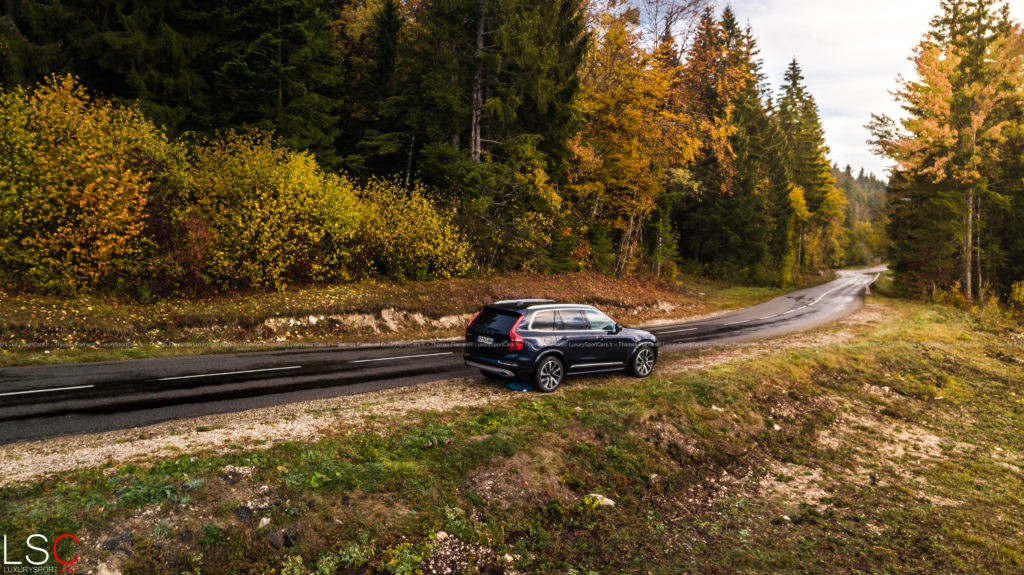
{"x": 851, "y": 52}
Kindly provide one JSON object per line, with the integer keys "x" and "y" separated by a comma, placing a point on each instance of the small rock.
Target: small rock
{"x": 243, "y": 513}
{"x": 716, "y": 408}
{"x": 598, "y": 499}
{"x": 110, "y": 545}
{"x": 441, "y": 536}
{"x": 105, "y": 569}
{"x": 283, "y": 538}
{"x": 312, "y": 320}
{"x": 508, "y": 558}
{"x": 121, "y": 543}
{"x": 776, "y": 427}
{"x": 786, "y": 517}
{"x": 264, "y": 522}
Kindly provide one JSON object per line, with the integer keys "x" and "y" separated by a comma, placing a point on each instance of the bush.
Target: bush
{"x": 93, "y": 195}
{"x": 405, "y": 236}
{"x": 256, "y": 214}
{"x": 1016, "y": 299}
{"x": 74, "y": 177}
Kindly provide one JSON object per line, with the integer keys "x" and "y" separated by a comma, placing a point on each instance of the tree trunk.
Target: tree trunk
{"x": 969, "y": 247}
{"x": 657, "y": 261}
{"x": 478, "y": 86}
{"x": 977, "y": 250}
{"x": 408, "y": 167}
{"x": 626, "y": 247}
{"x": 280, "y": 72}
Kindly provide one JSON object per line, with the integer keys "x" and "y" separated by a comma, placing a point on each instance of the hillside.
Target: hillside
{"x": 890, "y": 442}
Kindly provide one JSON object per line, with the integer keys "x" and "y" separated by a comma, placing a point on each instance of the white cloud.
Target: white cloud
{"x": 851, "y": 53}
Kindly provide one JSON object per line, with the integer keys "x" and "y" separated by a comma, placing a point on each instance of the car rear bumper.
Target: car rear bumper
{"x": 504, "y": 368}
{"x": 491, "y": 368}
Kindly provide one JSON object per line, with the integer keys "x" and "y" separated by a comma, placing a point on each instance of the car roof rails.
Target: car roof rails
{"x": 521, "y": 303}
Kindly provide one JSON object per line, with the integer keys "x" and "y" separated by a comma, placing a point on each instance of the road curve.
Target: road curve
{"x": 37, "y": 402}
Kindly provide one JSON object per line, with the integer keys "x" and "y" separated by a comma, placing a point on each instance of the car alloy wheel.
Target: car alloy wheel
{"x": 549, "y": 375}
{"x": 643, "y": 361}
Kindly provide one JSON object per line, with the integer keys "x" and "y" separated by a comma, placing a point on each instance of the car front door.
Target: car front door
{"x": 611, "y": 347}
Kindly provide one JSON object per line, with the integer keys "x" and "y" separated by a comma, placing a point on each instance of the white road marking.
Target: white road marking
{"x": 771, "y": 316}
{"x": 678, "y": 330}
{"x": 46, "y": 390}
{"x": 828, "y": 292}
{"x": 229, "y": 373}
{"x": 739, "y": 322}
{"x": 400, "y": 357}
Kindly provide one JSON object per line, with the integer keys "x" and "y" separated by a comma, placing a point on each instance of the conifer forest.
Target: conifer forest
{"x": 237, "y": 145}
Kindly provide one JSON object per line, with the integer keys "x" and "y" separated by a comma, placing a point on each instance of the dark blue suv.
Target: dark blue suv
{"x": 545, "y": 341}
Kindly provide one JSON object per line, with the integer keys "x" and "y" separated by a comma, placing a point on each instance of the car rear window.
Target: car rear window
{"x": 495, "y": 320}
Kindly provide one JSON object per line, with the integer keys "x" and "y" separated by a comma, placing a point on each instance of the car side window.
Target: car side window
{"x": 599, "y": 321}
{"x": 572, "y": 320}
{"x": 543, "y": 321}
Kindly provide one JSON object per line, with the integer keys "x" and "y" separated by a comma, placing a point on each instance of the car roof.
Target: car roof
{"x": 535, "y": 304}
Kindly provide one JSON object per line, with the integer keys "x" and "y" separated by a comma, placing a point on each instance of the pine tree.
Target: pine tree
{"x": 970, "y": 68}
{"x": 810, "y": 171}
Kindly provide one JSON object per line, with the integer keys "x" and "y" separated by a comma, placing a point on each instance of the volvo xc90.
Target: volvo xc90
{"x": 544, "y": 341}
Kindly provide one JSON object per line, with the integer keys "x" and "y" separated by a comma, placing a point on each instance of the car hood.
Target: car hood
{"x": 637, "y": 333}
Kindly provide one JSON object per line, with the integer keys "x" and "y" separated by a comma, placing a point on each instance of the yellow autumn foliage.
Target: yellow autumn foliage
{"x": 94, "y": 195}
{"x": 405, "y": 236}
{"x": 74, "y": 175}
{"x": 260, "y": 213}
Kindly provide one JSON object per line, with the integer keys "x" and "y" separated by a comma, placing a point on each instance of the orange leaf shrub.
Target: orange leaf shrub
{"x": 74, "y": 176}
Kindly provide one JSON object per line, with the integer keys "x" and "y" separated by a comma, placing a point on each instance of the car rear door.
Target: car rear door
{"x": 579, "y": 341}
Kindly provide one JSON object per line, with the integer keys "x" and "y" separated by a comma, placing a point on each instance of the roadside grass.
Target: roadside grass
{"x": 50, "y": 329}
{"x": 900, "y": 449}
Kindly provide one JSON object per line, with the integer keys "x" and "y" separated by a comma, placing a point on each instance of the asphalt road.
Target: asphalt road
{"x": 37, "y": 402}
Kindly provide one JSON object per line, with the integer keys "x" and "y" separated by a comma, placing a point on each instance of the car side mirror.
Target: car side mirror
{"x": 616, "y": 328}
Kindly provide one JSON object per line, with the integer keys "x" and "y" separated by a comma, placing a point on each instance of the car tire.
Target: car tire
{"x": 492, "y": 375}
{"x": 549, "y": 375}
{"x": 642, "y": 363}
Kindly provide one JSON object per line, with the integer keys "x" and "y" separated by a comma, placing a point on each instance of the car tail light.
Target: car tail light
{"x": 515, "y": 341}
{"x": 477, "y": 314}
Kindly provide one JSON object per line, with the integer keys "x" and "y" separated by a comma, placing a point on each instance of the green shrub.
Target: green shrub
{"x": 405, "y": 236}
{"x": 257, "y": 214}
{"x": 93, "y": 195}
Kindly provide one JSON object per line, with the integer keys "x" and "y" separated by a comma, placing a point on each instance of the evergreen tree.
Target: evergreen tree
{"x": 195, "y": 65}
{"x": 810, "y": 172}
{"x": 948, "y": 150}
